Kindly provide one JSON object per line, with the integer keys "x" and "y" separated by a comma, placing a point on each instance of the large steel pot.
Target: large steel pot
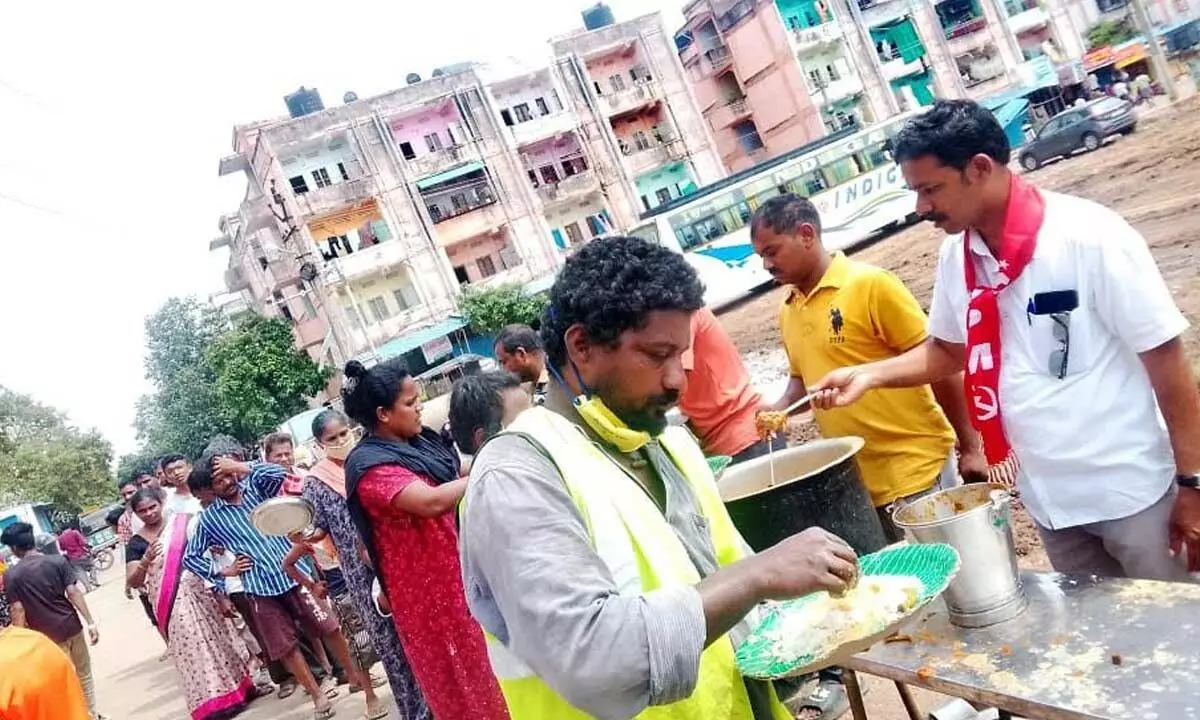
{"x": 816, "y": 484}
{"x": 975, "y": 521}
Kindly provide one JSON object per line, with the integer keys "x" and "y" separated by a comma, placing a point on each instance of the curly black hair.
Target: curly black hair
{"x": 953, "y": 131}
{"x": 609, "y": 286}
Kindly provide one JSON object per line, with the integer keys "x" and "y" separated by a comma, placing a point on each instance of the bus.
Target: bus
{"x": 849, "y": 175}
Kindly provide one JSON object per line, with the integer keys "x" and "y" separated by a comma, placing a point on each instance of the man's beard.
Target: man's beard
{"x": 651, "y": 417}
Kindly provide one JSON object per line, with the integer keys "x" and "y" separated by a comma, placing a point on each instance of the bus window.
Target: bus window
{"x": 648, "y": 232}
{"x": 840, "y": 171}
{"x": 687, "y": 237}
{"x": 877, "y": 156}
{"x": 808, "y": 184}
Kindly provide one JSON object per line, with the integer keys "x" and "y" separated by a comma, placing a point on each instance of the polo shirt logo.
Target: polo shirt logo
{"x": 836, "y": 323}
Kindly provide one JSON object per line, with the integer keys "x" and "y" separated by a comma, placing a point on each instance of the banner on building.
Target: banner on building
{"x": 437, "y": 349}
{"x": 1127, "y": 55}
{"x": 1038, "y": 72}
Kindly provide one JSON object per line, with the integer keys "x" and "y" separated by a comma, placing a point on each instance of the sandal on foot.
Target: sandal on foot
{"x": 330, "y": 688}
{"x": 324, "y": 714}
{"x": 827, "y": 701}
{"x": 287, "y": 688}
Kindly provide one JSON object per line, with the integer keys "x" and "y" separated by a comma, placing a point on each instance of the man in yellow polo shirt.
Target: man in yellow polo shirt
{"x": 843, "y": 312}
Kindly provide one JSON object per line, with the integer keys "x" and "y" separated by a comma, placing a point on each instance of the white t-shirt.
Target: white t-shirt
{"x": 1093, "y": 445}
{"x": 220, "y": 563}
{"x": 176, "y": 502}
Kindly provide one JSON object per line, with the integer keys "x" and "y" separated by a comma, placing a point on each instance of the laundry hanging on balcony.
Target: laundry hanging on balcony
{"x": 900, "y": 37}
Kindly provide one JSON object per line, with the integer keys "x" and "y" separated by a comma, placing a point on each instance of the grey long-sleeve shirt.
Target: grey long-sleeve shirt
{"x": 534, "y": 581}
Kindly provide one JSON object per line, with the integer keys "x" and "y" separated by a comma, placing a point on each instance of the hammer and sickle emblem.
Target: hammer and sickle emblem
{"x": 986, "y": 403}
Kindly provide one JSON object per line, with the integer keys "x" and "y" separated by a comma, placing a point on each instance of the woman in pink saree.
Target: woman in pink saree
{"x": 212, "y": 670}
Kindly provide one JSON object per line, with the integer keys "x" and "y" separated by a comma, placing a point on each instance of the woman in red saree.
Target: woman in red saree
{"x": 402, "y": 486}
{"x": 212, "y": 670}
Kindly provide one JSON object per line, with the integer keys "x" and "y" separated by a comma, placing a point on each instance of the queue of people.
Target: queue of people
{"x": 580, "y": 562}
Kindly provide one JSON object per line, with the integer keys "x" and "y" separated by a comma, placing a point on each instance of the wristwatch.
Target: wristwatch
{"x": 1188, "y": 481}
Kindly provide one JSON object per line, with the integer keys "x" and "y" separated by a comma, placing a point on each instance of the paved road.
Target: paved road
{"x": 132, "y": 684}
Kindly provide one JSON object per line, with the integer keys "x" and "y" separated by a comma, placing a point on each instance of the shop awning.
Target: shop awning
{"x": 410, "y": 341}
{"x": 448, "y": 175}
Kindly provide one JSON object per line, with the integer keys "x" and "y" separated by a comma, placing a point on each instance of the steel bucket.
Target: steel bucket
{"x": 976, "y": 521}
{"x": 816, "y": 484}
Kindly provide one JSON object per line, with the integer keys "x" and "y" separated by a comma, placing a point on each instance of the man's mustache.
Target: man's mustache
{"x": 933, "y": 217}
{"x": 666, "y": 399}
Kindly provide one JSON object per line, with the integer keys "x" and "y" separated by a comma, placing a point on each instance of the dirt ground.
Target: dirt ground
{"x": 1151, "y": 177}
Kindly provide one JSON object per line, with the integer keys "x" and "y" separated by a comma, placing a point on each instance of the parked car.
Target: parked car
{"x": 1080, "y": 128}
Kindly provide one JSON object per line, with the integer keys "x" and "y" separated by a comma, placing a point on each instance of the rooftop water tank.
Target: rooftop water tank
{"x": 350, "y": 97}
{"x": 304, "y": 102}
{"x": 598, "y": 16}
{"x": 412, "y": 79}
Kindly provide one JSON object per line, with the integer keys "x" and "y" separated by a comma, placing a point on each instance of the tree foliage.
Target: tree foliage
{"x": 487, "y": 311}
{"x": 1110, "y": 32}
{"x": 261, "y": 379}
{"x": 43, "y": 459}
{"x": 210, "y": 379}
{"x": 182, "y": 412}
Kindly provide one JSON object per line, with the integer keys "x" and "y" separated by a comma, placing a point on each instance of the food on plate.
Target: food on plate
{"x": 770, "y": 423}
{"x": 818, "y": 627}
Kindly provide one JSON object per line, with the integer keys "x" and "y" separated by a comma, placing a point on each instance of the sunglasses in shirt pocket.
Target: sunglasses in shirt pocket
{"x": 1060, "y": 333}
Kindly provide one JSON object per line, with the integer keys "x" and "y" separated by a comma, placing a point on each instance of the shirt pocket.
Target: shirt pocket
{"x": 1063, "y": 344}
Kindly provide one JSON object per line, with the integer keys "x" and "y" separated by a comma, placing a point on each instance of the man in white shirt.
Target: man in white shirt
{"x": 1075, "y": 369}
{"x": 176, "y": 469}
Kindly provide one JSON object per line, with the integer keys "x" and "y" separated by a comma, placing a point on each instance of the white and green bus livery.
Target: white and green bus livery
{"x": 850, "y": 177}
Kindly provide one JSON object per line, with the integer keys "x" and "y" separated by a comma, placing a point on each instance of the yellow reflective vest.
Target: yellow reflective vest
{"x": 643, "y": 553}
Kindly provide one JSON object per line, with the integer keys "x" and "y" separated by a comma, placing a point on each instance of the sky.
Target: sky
{"x": 113, "y": 117}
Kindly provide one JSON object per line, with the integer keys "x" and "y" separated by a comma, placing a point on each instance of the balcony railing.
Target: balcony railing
{"x": 979, "y": 73}
{"x": 896, "y": 68}
{"x": 1028, "y": 19}
{"x": 834, "y": 91}
{"x": 652, "y": 154}
{"x": 569, "y": 187}
{"x": 813, "y": 38}
{"x": 630, "y": 98}
{"x": 735, "y": 14}
{"x": 729, "y": 113}
{"x": 371, "y": 260}
{"x": 542, "y": 127}
{"x": 716, "y": 59}
{"x": 470, "y": 222}
{"x": 322, "y": 201}
{"x": 966, "y": 27}
{"x": 439, "y": 160}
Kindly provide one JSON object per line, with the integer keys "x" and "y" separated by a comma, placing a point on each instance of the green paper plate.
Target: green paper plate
{"x": 717, "y": 463}
{"x": 934, "y": 565}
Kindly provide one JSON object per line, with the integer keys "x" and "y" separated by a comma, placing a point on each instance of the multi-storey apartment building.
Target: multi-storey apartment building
{"x": 771, "y": 75}
{"x": 637, "y": 113}
{"x": 363, "y": 222}
{"x": 756, "y": 98}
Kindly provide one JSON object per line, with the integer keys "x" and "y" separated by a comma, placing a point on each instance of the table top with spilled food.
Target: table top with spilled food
{"x": 1085, "y": 648}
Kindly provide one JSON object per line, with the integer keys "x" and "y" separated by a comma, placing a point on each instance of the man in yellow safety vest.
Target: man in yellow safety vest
{"x": 597, "y": 553}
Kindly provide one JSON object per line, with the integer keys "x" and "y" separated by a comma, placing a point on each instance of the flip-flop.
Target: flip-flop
{"x": 287, "y": 688}
{"x": 324, "y": 714}
{"x": 828, "y": 699}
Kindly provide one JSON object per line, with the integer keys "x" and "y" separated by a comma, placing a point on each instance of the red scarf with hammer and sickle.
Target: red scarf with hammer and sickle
{"x": 1022, "y": 222}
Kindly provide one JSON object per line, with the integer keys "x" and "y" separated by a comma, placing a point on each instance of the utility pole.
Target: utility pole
{"x": 1158, "y": 58}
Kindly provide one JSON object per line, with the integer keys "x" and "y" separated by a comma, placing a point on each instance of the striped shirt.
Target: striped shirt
{"x": 228, "y": 525}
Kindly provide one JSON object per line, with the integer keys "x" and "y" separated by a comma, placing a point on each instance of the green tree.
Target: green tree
{"x": 261, "y": 379}
{"x": 1110, "y": 32}
{"x": 487, "y": 311}
{"x": 43, "y": 459}
{"x": 182, "y": 412}
{"x": 131, "y": 464}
